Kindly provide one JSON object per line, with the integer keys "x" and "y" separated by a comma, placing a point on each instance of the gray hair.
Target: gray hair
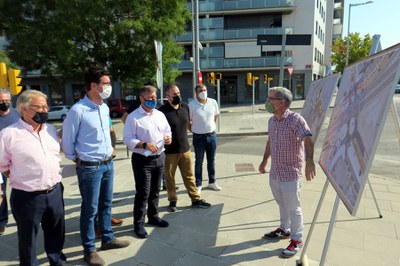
{"x": 283, "y": 93}
{"x": 24, "y": 99}
{"x": 147, "y": 88}
{"x": 5, "y": 91}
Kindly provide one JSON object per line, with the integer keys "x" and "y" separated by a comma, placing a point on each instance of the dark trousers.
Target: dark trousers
{"x": 3, "y": 205}
{"x": 148, "y": 172}
{"x": 31, "y": 210}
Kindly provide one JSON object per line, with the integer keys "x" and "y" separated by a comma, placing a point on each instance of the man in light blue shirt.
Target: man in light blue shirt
{"x": 86, "y": 141}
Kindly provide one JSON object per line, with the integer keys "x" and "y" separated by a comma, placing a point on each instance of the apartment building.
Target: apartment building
{"x": 228, "y": 32}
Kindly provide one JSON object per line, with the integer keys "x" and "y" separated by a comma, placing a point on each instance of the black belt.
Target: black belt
{"x": 149, "y": 157}
{"x": 46, "y": 191}
{"x": 206, "y": 134}
{"x": 94, "y": 163}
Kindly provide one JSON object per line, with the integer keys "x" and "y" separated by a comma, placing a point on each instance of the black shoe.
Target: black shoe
{"x": 201, "y": 204}
{"x": 172, "y": 206}
{"x": 2, "y": 230}
{"x": 164, "y": 188}
{"x": 157, "y": 221}
{"x": 140, "y": 231}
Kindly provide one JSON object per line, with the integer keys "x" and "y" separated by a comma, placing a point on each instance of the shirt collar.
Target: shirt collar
{"x": 284, "y": 116}
{"x": 143, "y": 112}
{"x": 89, "y": 102}
{"x": 29, "y": 127}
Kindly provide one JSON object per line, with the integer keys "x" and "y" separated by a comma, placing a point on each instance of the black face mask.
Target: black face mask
{"x": 4, "y": 106}
{"x": 176, "y": 100}
{"x": 40, "y": 118}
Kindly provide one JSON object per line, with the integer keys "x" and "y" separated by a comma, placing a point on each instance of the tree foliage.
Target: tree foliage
{"x": 68, "y": 36}
{"x": 358, "y": 49}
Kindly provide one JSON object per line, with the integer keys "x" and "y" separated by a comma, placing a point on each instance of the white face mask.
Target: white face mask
{"x": 203, "y": 95}
{"x": 107, "y": 89}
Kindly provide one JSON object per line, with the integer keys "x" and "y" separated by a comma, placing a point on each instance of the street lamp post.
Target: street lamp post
{"x": 348, "y": 28}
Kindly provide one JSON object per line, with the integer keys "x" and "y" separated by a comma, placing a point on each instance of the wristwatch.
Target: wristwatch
{"x": 144, "y": 145}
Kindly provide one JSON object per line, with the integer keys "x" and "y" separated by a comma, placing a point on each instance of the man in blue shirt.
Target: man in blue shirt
{"x": 86, "y": 140}
{"x": 8, "y": 116}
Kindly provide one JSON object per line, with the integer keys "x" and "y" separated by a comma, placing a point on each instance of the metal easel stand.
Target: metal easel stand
{"x": 303, "y": 260}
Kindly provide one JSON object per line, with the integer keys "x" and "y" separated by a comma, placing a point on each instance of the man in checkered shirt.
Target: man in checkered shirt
{"x": 287, "y": 131}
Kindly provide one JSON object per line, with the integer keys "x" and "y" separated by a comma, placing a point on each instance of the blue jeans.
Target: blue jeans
{"x": 96, "y": 188}
{"x": 3, "y": 206}
{"x": 204, "y": 143}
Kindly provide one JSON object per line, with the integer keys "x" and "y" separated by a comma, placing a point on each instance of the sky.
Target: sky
{"x": 380, "y": 17}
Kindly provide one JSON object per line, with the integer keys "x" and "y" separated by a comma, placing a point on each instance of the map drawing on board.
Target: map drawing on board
{"x": 317, "y": 103}
{"x": 357, "y": 121}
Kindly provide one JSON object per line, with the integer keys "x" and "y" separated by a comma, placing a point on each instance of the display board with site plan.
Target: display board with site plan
{"x": 358, "y": 116}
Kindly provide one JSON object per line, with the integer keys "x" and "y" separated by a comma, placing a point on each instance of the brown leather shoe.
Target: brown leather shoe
{"x": 92, "y": 258}
{"x": 116, "y": 221}
{"x": 115, "y": 243}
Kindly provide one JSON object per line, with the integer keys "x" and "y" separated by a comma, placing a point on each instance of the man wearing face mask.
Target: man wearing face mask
{"x": 8, "y": 116}
{"x": 30, "y": 157}
{"x": 287, "y": 131}
{"x": 178, "y": 153}
{"x": 146, "y": 132}
{"x": 204, "y": 113}
{"x": 86, "y": 141}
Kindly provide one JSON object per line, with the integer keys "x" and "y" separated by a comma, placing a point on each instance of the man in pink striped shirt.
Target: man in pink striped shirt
{"x": 287, "y": 131}
{"x": 30, "y": 157}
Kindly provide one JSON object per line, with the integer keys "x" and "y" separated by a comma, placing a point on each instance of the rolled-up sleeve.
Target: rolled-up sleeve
{"x": 130, "y": 133}
{"x": 69, "y": 132}
{"x": 5, "y": 158}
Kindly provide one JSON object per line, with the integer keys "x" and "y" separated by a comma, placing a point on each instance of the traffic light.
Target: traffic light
{"x": 218, "y": 76}
{"x": 249, "y": 79}
{"x": 265, "y": 78}
{"x": 3, "y": 76}
{"x": 14, "y": 80}
{"x": 211, "y": 78}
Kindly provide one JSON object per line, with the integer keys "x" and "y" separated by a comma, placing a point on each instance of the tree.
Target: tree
{"x": 359, "y": 48}
{"x": 68, "y": 36}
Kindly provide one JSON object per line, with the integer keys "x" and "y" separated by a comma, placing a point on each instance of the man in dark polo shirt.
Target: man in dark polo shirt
{"x": 178, "y": 152}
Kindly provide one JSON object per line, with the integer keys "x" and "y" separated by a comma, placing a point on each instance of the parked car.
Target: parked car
{"x": 118, "y": 106}
{"x": 58, "y": 112}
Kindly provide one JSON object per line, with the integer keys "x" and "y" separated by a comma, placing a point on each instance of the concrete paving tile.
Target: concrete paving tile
{"x": 382, "y": 245}
{"x": 196, "y": 259}
{"x": 342, "y": 255}
{"x": 394, "y": 188}
{"x": 247, "y": 254}
{"x": 144, "y": 252}
{"x": 371, "y": 226}
{"x": 383, "y": 195}
{"x": 210, "y": 245}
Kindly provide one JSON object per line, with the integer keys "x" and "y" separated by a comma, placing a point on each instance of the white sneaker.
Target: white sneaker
{"x": 199, "y": 189}
{"x": 214, "y": 186}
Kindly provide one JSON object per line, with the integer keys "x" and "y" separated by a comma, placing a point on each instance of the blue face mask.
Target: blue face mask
{"x": 150, "y": 104}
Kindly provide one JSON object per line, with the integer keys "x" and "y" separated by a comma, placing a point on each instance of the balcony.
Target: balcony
{"x": 221, "y": 63}
{"x": 220, "y": 34}
{"x": 221, "y": 5}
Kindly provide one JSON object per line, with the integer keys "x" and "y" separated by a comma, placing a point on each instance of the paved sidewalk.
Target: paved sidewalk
{"x": 229, "y": 233}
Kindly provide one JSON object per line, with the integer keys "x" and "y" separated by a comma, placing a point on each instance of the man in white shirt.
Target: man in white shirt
{"x": 204, "y": 113}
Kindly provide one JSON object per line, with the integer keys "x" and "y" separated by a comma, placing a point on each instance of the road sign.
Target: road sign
{"x": 290, "y": 70}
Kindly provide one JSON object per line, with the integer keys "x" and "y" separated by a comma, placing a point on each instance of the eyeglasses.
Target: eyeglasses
{"x": 104, "y": 83}
{"x": 43, "y": 107}
{"x": 273, "y": 98}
